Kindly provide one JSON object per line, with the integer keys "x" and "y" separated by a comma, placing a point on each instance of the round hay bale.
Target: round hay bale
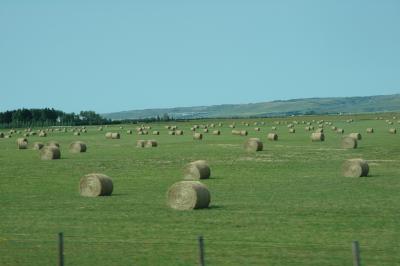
{"x": 171, "y": 133}
{"x": 235, "y": 132}
{"x": 77, "y": 147}
{"x": 243, "y": 133}
{"x": 22, "y": 143}
{"x": 257, "y": 129}
{"x": 274, "y": 128}
{"x": 334, "y": 128}
{"x": 140, "y": 143}
{"x": 232, "y": 126}
{"x": 216, "y": 132}
{"x": 42, "y": 134}
{"x": 115, "y": 135}
{"x": 370, "y": 130}
{"x": 196, "y": 170}
{"x": 155, "y": 132}
{"x": 77, "y": 133}
{"x": 292, "y": 130}
{"x": 7, "y": 136}
{"x": 355, "y": 168}
{"x": 50, "y": 153}
{"x": 94, "y": 185}
{"x": 151, "y": 143}
{"x": 129, "y": 132}
{"x": 253, "y": 145}
{"x": 340, "y": 131}
{"x": 272, "y": 136}
{"x": 349, "y": 142}
{"x": 198, "y": 136}
{"x": 179, "y": 132}
{"x": 356, "y": 136}
{"x": 108, "y": 135}
{"x": 317, "y": 136}
{"x": 392, "y": 131}
{"x": 307, "y": 128}
{"x": 205, "y": 130}
{"x": 38, "y": 145}
{"x": 188, "y": 195}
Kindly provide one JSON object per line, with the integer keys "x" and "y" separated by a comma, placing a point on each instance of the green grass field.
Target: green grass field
{"x": 286, "y": 205}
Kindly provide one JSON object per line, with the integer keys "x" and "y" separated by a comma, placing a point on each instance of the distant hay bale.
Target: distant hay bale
{"x": 319, "y": 130}
{"x": 257, "y": 129}
{"x": 171, "y": 132}
{"x": 179, "y": 132}
{"x": 155, "y": 132}
{"x": 243, "y": 133}
{"x": 356, "y": 136}
{"x": 22, "y": 143}
{"x": 355, "y": 168}
{"x": 77, "y": 133}
{"x": 50, "y": 153}
{"x": 340, "y": 131}
{"x": 151, "y": 143}
{"x": 307, "y": 128}
{"x": 290, "y": 126}
{"x": 1, "y": 135}
{"x": 392, "y": 131}
{"x": 100, "y": 129}
{"x": 272, "y": 136}
{"x": 253, "y": 145}
{"x": 115, "y": 135}
{"x": 196, "y": 170}
{"x": 317, "y": 136}
{"x": 188, "y": 195}
{"x": 198, "y": 136}
{"x": 205, "y": 130}
{"x": 334, "y": 128}
{"x": 94, "y": 185}
{"x": 192, "y": 129}
{"x": 349, "y": 142}
{"x": 77, "y": 147}
{"x": 129, "y": 132}
{"x": 232, "y": 126}
{"x": 38, "y": 145}
{"x": 274, "y": 128}
{"x": 109, "y": 135}
{"x": 140, "y": 143}
{"x": 42, "y": 134}
{"x": 292, "y": 130}
{"x": 7, "y": 136}
{"x": 216, "y": 132}
{"x": 235, "y": 132}
{"x": 370, "y": 130}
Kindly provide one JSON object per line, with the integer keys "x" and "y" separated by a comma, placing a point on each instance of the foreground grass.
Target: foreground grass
{"x": 286, "y": 205}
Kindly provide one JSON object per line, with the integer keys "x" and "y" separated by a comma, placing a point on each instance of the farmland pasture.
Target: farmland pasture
{"x": 286, "y": 205}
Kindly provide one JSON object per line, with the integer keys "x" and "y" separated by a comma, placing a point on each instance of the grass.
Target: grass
{"x": 286, "y": 205}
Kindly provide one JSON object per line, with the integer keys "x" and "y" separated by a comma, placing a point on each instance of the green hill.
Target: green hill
{"x": 368, "y": 104}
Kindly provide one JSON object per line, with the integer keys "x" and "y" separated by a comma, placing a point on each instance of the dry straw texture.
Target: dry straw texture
{"x": 196, "y": 170}
{"x": 155, "y": 132}
{"x": 22, "y": 143}
{"x": 50, "y": 153}
{"x": 216, "y": 132}
{"x": 253, "y": 145}
{"x": 151, "y": 143}
{"x": 356, "y": 136}
{"x": 115, "y": 135}
{"x": 355, "y": 168}
{"x": 77, "y": 133}
{"x": 340, "y": 130}
{"x": 292, "y": 130}
{"x": 272, "y": 136}
{"x": 179, "y": 132}
{"x": 392, "y": 131}
{"x": 317, "y": 136}
{"x": 109, "y": 135}
{"x": 370, "y": 130}
{"x": 93, "y": 185}
{"x": 349, "y": 142}
{"x": 243, "y": 133}
{"x": 198, "y": 136}
{"x": 77, "y": 147}
{"x": 188, "y": 195}
{"x": 140, "y": 143}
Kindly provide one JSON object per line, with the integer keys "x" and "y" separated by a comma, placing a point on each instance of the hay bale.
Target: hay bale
{"x": 140, "y": 143}
{"x": 355, "y": 168}
{"x": 77, "y": 147}
{"x": 370, "y": 130}
{"x": 100, "y": 129}
{"x": 307, "y": 128}
{"x": 196, "y": 170}
{"x": 188, "y": 195}
{"x": 53, "y": 143}
{"x": 108, "y": 135}
{"x": 7, "y": 136}
{"x": 292, "y": 130}
{"x": 115, "y": 135}
{"x": 155, "y": 132}
{"x": 356, "y": 136}
{"x": 253, "y": 145}
{"x": 94, "y": 185}
{"x": 243, "y": 133}
{"x": 232, "y": 126}
{"x": 272, "y": 136}
{"x": 392, "y": 131}
{"x": 205, "y": 130}
{"x": 50, "y": 153}
{"x": 38, "y": 145}
{"x": 340, "y": 131}
{"x": 235, "y": 132}
{"x": 179, "y": 132}
{"x": 319, "y": 130}
{"x": 171, "y": 133}
{"x": 216, "y": 132}
{"x": 349, "y": 142}
{"x": 42, "y": 134}
{"x": 77, "y": 133}
{"x": 317, "y": 136}
{"x": 151, "y": 143}
{"x": 334, "y": 128}
{"x": 1, "y": 135}
{"x": 22, "y": 143}
{"x": 129, "y": 132}
{"x": 257, "y": 129}
{"x": 198, "y": 136}
{"x": 274, "y": 128}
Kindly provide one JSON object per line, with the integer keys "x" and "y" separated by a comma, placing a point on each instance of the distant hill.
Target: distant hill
{"x": 368, "y": 104}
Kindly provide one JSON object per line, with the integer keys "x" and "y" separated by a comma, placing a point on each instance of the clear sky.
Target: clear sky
{"x": 121, "y": 55}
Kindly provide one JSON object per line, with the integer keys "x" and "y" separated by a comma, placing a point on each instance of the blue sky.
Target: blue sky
{"x": 121, "y": 55}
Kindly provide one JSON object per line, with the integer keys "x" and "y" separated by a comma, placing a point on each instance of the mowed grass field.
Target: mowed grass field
{"x": 286, "y": 205}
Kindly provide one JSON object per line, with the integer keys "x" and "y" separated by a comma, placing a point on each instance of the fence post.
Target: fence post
{"x": 60, "y": 249}
{"x": 201, "y": 251}
{"x": 356, "y": 254}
